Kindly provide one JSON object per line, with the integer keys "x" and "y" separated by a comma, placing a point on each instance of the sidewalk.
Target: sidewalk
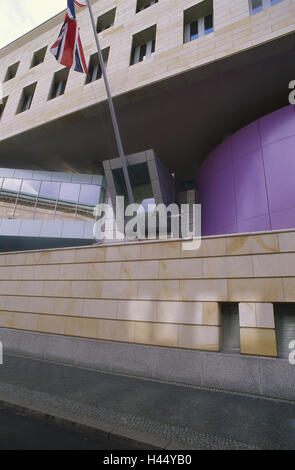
{"x": 146, "y": 413}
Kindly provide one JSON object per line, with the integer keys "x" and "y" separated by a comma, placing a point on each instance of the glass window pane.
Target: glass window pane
{"x": 142, "y": 52}
{"x": 256, "y": 5}
{"x": 2, "y": 204}
{"x": 27, "y": 199}
{"x": 49, "y": 190}
{"x": 89, "y": 194}
{"x": 89, "y": 197}
{"x": 47, "y": 200}
{"x": 69, "y": 192}
{"x": 8, "y": 195}
{"x": 194, "y": 30}
{"x": 11, "y": 186}
{"x": 30, "y": 188}
{"x": 67, "y": 201}
{"x": 208, "y": 24}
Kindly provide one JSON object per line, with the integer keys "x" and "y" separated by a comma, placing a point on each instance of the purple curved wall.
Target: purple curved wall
{"x": 247, "y": 184}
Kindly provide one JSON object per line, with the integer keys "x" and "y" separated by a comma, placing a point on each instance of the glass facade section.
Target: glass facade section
{"x": 39, "y": 199}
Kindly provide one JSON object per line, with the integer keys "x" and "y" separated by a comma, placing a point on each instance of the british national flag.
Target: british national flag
{"x": 68, "y": 48}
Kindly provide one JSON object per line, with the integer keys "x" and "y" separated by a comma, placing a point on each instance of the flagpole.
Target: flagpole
{"x": 112, "y": 109}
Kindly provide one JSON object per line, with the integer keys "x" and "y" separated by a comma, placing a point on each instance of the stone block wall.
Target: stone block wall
{"x": 152, "y": 293}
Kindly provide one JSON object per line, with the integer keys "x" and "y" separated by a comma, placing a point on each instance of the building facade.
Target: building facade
{"x": 201, "y": 90}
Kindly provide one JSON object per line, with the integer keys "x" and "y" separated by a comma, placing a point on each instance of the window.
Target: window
{"x": 38, "y": 57}
{"x": 2, "y": 105}
{"x": 8, "y": 197}
{"x": 26, "y": 98}
{"x": 59, "y": 83}
{"x": 88, "y": 198}
{"x": 11, "y": 72}
{"x": 106, "y": 21}
{"x": 198, "y": 21}
{"x": 27, "y": 198}
{"x": 258, "y": 5}
{"x": 143, "y": 4}
{"x": 67, "y": 201}
{"x": 143, "y": 45}
{"x": 140, "y": 182}
{"x": 94, "y": 69}
{"x": 285, "y": 327}
{"x": 47, "y": 200}
{"x": 230, "y": 328}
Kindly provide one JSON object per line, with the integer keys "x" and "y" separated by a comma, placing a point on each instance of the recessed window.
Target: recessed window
{"x": 59, "y": 83}
{"x": 140, "y": 182}
{"x": 230, "y": 328}
{"x": 198, "y": 21}
{"x": 38, "y": 57}
{"x": 2, "y": 105}
{"x": 143, "y": 45}
{"x": 285, "y": 327}
{"x": 258, "y": 5}
{"x": 11, "y": 71}
{"x": 106, "y": 20}
{"x": 26, "y": 98}
{"x": 94, "y": 69}
{"x": 143, "y": 4}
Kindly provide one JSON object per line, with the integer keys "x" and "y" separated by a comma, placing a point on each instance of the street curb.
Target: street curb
{"x": 103, "y": 430}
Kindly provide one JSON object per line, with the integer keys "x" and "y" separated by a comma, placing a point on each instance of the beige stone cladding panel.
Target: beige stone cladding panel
{"x": 260, "y": 315}
{"x": 258, "y": 342}
{"x": 257, "y": 329}
{"x": 152, "y": 293}
{"x": 173, "y": 335}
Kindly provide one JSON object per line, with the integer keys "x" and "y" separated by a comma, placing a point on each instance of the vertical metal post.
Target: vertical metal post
{"x": 112, "y": 109}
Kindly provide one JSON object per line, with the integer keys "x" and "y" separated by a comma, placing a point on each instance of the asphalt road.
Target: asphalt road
{"x": 21, "y": 432}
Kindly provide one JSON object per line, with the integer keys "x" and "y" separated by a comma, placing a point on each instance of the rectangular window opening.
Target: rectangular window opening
{"x": 3, "y": 103}
{"x": 284, "y": 314}
{"x": 26, "y": 98}
{"x": 11, "y": 72}
{"x": 106, "y": 20}
{"x": 94, "y": 68}
{"x": 198, "y": 21}
{"x": 59, "y": 83}
{"x": 230, "y": 328}
{"x": 143, "y": 4}
{"x": 259, "y": 5}
{"x": 143, "y": 45}
{"x": 38, "y": 57}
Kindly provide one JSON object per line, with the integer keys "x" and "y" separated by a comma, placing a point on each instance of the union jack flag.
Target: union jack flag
{"x": 68, "y": 48}
{"x": 80, "y": 3}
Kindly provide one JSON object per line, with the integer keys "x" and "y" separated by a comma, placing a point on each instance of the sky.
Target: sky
{"x": 17, "y": 17}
